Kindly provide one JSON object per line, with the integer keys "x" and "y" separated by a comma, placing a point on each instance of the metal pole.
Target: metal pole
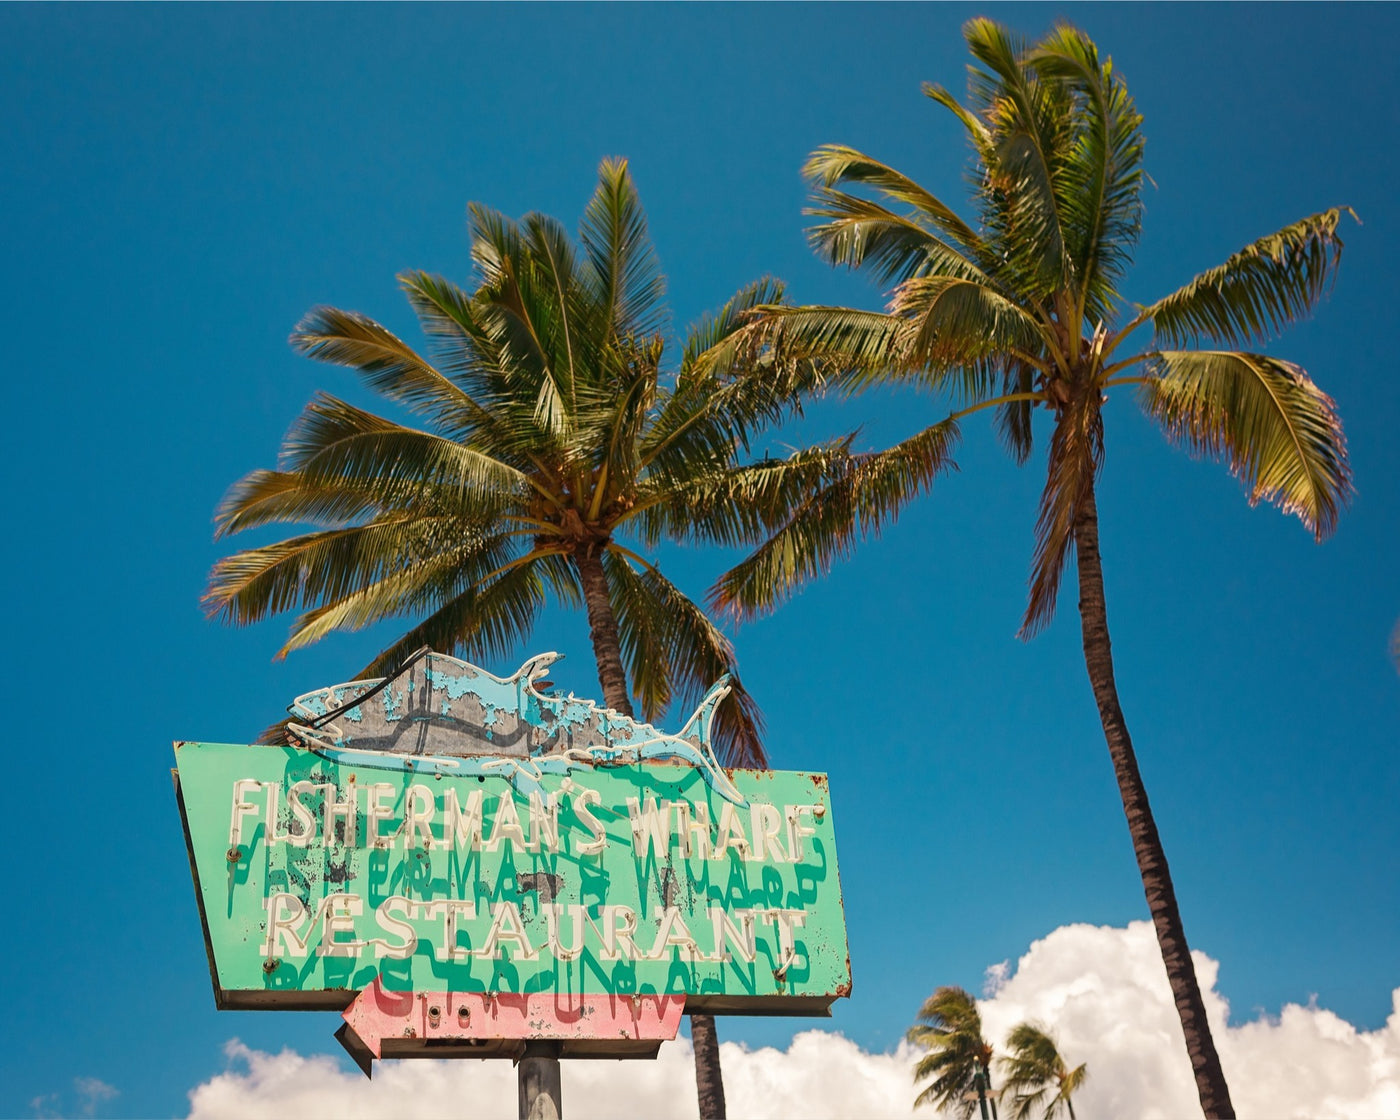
{"x": 979, "y": 1079}
{"x": 538, "y": 1079}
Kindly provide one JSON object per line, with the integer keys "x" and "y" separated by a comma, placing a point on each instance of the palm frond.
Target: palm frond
{"x": 482, "y": 623}
{"x": 859, "y": 233}
{"x": 747, "y": 380}
{"x": 675, "y": 654}
{"x": 1025, "y": 190}
{"x": 495, "y": 245}
{"x": 714, "y": 328}
{"x": 413, "y": 588}
{"x": 737, "y": 505}
{"x": 266, "y": 497}
{"x": 854, "y": 348}
{"x": 868, "y": 492}
{"x": 978, "y": 135}
{"x": 1103, "y": 175}
{"x": 325, "y": 566}
{"x": 1257, "y": 291}
{"x": 957, "y": 325}
{"x": 461, "y": 346}
{"x": 557, "y": 312}
{"x": 1279, "y": 433}
{"x": 1013, "y": 417}
{"x": 629, "y": 284}
{"x": 335, "y": 441}
{"x": 389, "y": 366}
{"x": 835, "y": 163}
{"x": 949, "y": 1028}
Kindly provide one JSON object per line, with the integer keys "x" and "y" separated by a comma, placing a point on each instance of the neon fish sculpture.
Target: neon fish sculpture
{"x": 441, "y": 715}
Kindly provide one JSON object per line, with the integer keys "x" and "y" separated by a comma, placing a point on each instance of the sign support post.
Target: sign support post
{"x": 538, "y": 1077}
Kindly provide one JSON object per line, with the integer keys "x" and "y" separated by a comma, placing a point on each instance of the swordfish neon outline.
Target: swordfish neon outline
{"x": 542, "y": 734}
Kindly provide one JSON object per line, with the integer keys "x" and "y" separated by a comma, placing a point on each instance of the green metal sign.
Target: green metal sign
{"x": 316, "y": 876}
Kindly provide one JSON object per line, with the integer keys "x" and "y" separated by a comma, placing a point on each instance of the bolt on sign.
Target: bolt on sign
{"x": 461, "y": 863}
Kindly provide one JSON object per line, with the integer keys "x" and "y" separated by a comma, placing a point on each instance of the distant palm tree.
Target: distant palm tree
{"x": 1025, "y": 309}
{"x": 558, "y": 450}
{"x": 959, "y": 1059}
{"x": 1034, "y": 1076}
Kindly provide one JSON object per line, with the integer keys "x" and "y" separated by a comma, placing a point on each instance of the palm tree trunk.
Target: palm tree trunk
{"x": 607, "y": 651}
{"x": 602, "y": 628}
{"x": 1147, "y": 845}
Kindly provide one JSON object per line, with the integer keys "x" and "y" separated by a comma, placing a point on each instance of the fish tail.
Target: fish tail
{"x": 697, "y": 728}
{"x": 697, "y": 732}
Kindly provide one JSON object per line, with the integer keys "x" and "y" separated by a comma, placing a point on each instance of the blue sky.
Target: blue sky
{"x": 182, "y": 183}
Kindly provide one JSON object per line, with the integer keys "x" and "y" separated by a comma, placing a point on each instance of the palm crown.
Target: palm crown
{"x": 949, "y": 1028}
{"x": 1022, "y": 309}
{"x": 552, "y": 433}
{"x": 1036, "y": 1077}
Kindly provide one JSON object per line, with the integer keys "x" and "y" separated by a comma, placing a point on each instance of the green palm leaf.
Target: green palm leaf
{"x": 1279, "y": 433}
{"x": 630, "y": 290}
{"x": 1034, "y": 1076}
{"x": 859, "y": 233}
{"x": 1103, "y": 180}
{"x": 1257, "y": 291}
{"x": 835, "y": 163}
{"x": 949, "y": 1028}
{"x": 737, "y": 505}
{"x": 675, "y": 653}
{"x": 389, "y": 366}
{"x": 328, "y": 565}
{"x": 280, "y": 497}
{"x": 333, "y": 441}
{"x": 481, "y": 623}
{"x": 959, "y": 324}
{"x": 1027, "y": 188}
{"x": 867, "y": 493}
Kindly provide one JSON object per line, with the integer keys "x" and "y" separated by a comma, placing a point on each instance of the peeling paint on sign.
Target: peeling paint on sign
{"x": 449, "y": 716}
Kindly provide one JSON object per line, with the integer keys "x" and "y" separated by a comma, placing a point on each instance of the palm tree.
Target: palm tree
{"x": 1022, "y": 309}
{"x": 1036, "y": 1076}
{"x": 556, "y": 450}
{"x": 959, "y": 1059}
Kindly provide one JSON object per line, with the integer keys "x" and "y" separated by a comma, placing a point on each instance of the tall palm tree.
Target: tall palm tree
{"x": 1036, "y": 1077}
{"x": 959, "y": 1059}
{"x": 556, "y": 450}
{"x": 1022, "y": 309}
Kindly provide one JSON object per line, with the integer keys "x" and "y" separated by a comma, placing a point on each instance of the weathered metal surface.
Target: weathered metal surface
{"x": 449, "y": 716}
{"x": 377, "y": 1014}
{"x": 315, "y": 876}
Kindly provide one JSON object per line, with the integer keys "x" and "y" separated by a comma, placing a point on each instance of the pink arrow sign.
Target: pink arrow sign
{"x": 376, "y": 1014}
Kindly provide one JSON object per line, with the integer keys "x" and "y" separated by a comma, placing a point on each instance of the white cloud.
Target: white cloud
{"x": 94, "y": 1091}
{"x": 1105, "y": 995}
{"x": 1101, "y": 989}
{"x": 90, "y": 1093}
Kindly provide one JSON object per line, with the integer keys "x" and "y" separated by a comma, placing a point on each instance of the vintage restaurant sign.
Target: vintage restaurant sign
{"x": 507, "y": 855}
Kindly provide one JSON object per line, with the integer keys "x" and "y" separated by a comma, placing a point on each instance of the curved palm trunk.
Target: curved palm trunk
{"x": 1147, "y": 845}
{"x": 607, "y": 651}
